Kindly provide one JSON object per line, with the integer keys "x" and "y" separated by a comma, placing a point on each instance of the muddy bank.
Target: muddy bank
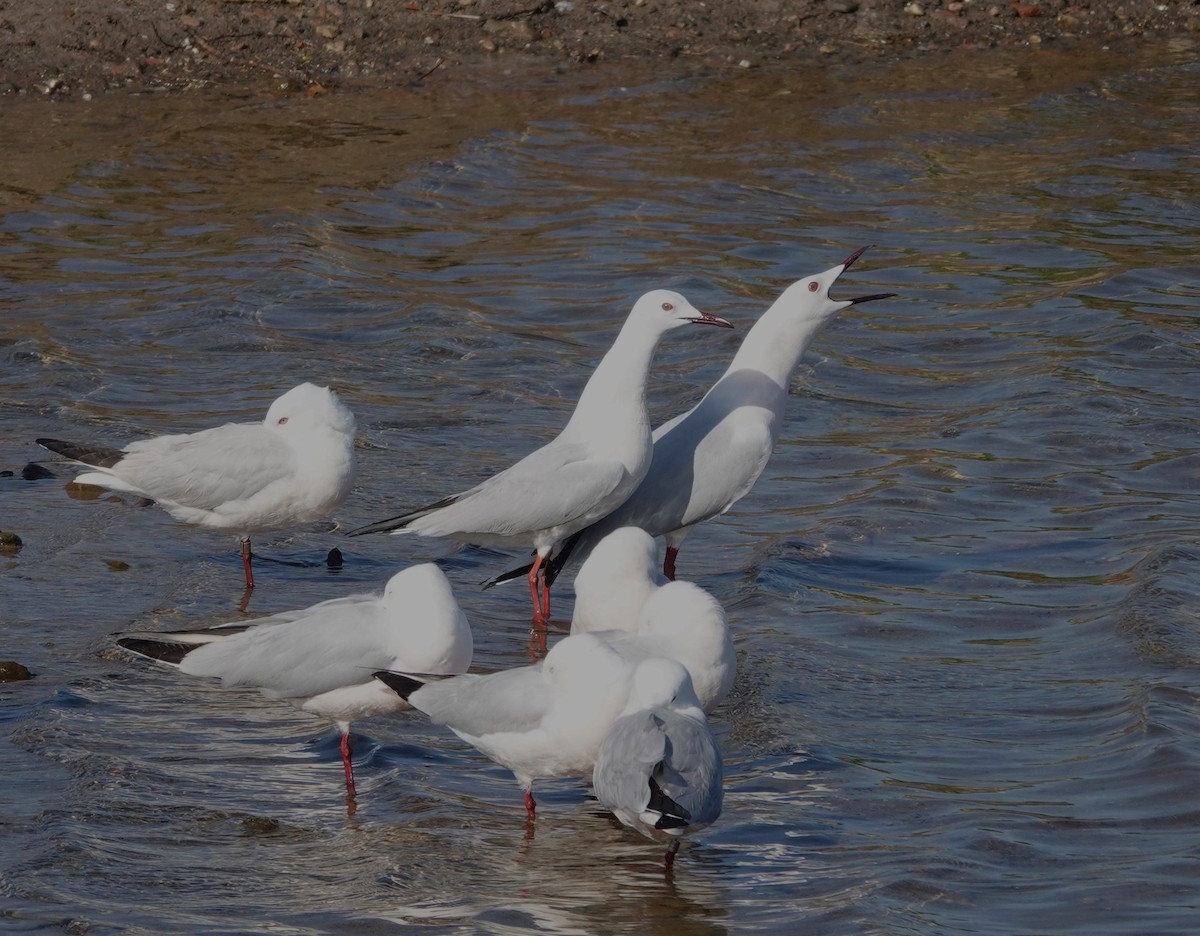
{"x": 73, "y": 48}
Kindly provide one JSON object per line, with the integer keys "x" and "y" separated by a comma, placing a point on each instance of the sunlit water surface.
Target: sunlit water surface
{"x": 963, "y": 592}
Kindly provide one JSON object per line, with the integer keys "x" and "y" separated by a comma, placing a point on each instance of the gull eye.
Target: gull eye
{"x": 282, "y": 420}
{"x": 668, "y": 307}
{"x": 814, "y": 286}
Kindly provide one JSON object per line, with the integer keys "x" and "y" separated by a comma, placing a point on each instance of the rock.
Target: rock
{"x": 35, "y": 472}
{"x": 334, "y": 559}
{"x": 10, "y": 543}
{"x": 843, "y": 6}
{"x": 12, "y": 671}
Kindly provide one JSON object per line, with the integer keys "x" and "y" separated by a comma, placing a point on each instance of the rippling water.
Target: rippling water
{"x": 963, "y": 592}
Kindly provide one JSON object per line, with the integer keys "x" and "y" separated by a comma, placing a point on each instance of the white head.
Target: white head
{"x": 660, "y": 310}
{"x": 615, "y": 580}
{"x": 307, "y": 408}
{"x": 810, "y": 296}
{"x": 433, "y": 635}
{"x": 660, "y": 682}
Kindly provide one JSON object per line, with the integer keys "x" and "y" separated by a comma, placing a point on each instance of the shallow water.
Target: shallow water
{"x": 963, "y": 591}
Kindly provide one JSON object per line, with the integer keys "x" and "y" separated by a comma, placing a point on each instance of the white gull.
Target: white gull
{"x": 659, "y": 767}
{"x": 706, "y": 459}
{"x": 321, "y": 658}
{"x": 292, "y": 468}
{"x": 584, "y": 473}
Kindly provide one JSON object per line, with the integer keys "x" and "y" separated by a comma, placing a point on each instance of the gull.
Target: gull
{"x": 550, "y": 718}
{"x": 659, "y": 768}
{"x": 321, "y": 658}
{"x": 543, "y": 720}
{"x": 707, "y": 459}
{"x": 681, "y": 621}
{"x": 292, "y": 468}
{"x": 615, "y": 581}
{"x": 584, "y": 473}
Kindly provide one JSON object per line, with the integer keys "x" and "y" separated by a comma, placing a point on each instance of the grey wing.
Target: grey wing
{"x": 301, "y": 657}
{"x": 691, "y": 774}
{"x": 514, "y": 700}
{"x": 209, "y": 468}
{"x": 632, "y": 751}
{"x": 554, "y": 486}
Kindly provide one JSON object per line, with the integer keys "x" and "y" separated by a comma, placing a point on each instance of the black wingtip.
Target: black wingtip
{"x": 402, "y": 685}
{"x": 163, "y": 651}
{"x": 519, "y": 572}
{"x": 672, "y": 815}
{"x": 382, "y": 526}
{"x": 98, "y": 456}
{"x": 561, "y": 557}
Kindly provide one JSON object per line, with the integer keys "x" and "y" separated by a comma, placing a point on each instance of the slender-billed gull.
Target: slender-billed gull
{"x": 706, "y": 459}
{"x": 292, "y": 468}
{"x": 539, "y": 721}
{"x": 584, "y": 473}
{"x": 321, "y": 658}
{"x": 549, "y": 719}
{"x": 684, "y": 622}
{"x": 659, "y": 767}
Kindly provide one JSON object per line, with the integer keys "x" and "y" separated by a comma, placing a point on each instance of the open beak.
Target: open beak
{"x": 706, "y": 319}
{"x": 854, "y": 256}
{"x": 846, "y": 265}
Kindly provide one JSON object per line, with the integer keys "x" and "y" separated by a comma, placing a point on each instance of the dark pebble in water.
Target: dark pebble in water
{"x": 10, "y": 543}
{"x": 11, "y": 671}
{"x": 334, "y": 559}
{"x": 35, "y": 472}
{"x": 260, "y": 825}
{"x": 6, "y": 474}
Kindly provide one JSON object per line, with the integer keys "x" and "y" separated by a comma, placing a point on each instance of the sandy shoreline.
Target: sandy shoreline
{"x": 80, "y": 48}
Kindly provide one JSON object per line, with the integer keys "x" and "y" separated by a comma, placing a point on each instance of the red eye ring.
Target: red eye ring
{"x": 814, "y": 286}
{"x": 668, "y": 307}
{"x": 281, "y": 421}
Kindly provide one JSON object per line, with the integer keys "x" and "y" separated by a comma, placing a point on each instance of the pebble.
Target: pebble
{"x": 10, "y": 543}
{"x": 914, "y": 9}
{"x": 843, "y": 6}
{"x": 35, "y": 472}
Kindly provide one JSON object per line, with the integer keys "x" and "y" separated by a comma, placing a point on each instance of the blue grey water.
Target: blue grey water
{"x": 964, "y": 592}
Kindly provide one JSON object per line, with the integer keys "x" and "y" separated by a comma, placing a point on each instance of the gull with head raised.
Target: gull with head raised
{"x": 321, "y": 658}
{"x": 659, "y": 767}
{"x": 584, "y": 473}
{"x": 292, "y": 468}
{"x": 706, "y": 459}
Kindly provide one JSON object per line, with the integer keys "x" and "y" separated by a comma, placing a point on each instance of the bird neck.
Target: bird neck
{"x": 777, "y": 341}
{"x": 615, "y": 394}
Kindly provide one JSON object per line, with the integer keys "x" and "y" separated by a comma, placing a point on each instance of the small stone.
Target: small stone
{"x": 35, "y": 472}
{"x": 843, "y": 6}
{"x": 334, "y": 559}
{"x": 328, "y": 31}
{"x": 10, "y": 543}
{"x": 745, "y": 63}
{"x": 956, "y": 6}
{"x": 914, "y": 9}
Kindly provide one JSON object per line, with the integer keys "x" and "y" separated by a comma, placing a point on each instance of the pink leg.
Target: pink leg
{"x": 346, "y": 763}
{"x": 246, "y": 557}
{"x": 669, "y": 562}
{"x": 530, "y": 805}
{"x": 538, "y": 615}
